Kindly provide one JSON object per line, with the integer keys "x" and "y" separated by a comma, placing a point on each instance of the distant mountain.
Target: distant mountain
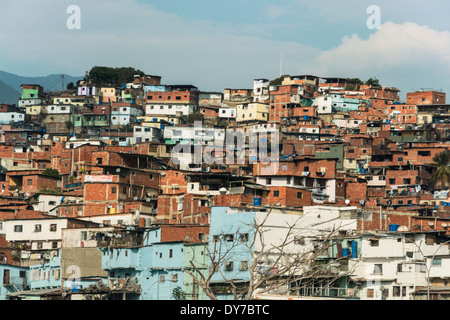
{"x": 8, "y": 95}
{"x": 10, "y": 84}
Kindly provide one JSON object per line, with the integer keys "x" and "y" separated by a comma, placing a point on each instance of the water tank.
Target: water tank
{"x": 345, "y": 252}
{"x": 76, "y": 287}
{"x": 354, "y": 249}
{"x": 393, "y": 227}
{"x": 257, "y": 201}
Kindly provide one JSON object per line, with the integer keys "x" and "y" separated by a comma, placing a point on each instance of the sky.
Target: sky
{"x": 226, "y": 44}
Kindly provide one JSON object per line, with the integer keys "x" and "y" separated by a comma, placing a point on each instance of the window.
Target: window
{"x": 18, "y": 228}
{"x": 392, "y": 181}
{"x": 424, "y": 153}
{"x": 39, "y": 245}
{"x": 243, "y": 266}
{"x": 437, "y": 262}
{"x": 83, "y": 235}
{"x": 243, "y": 237}
{"x": 113, "y": 189}
{"x": 378, "y": 269}
{"x": 396, "y": 291}
{"x": 53, "y": 227}
{"x": 228, "y": 265}
{"x": 276, "y": 193}
{"x": 37, "y": 228}
{"x": 29, "y": 182}
{"x": 374, "y": 242}
{"x": 170, "y": 253}
{"x": 406, "y": 181}
{"x": 229, "y": 237}
{"x": 299, "y": 195}
{"x": 370, "y": 293}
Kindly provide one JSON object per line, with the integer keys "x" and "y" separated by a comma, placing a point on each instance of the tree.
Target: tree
{"x": 441, "y": 175}
{"x": 195, "y": 116}
{"x": 272, "y": 255}
{"x": 112, "y": 77}
{"x": 70, "y": 86}
{"x": 51, "y": 173}
{"x": 373, "y": 82}
{"x": 278, "y": 81}
{"x": 357, "y": 82}
{"x": 178, "y": 294}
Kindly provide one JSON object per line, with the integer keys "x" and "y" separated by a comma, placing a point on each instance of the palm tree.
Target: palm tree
{"x": 442, "y": 173}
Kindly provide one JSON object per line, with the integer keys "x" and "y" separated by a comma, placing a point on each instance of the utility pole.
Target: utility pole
{"x": 281, "y": 63}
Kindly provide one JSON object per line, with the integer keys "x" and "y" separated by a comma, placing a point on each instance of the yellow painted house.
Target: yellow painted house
{"x": 252, "y": 112}
{"x": 74, "y": 100}
{"x": 33, "y": 110}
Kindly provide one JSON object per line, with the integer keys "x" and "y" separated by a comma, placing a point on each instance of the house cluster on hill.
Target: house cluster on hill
{"x": 109, "y": 193}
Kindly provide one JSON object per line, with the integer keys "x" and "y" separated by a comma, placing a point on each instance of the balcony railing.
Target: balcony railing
{"x": 330, "y": 292}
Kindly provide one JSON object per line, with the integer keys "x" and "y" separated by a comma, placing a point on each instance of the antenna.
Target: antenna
{"x": 281, "y": 63}
{"x": 62, "y": 85}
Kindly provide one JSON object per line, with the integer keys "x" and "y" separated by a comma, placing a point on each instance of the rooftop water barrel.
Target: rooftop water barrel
{"x": 393, "y": 227}
{"x": 76, "y": 287}
{"x": 354, "y": 249}
{"x": 345, "y": 252}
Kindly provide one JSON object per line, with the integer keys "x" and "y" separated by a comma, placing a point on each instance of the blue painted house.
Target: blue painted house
{"x": 47, "y": 275}
{"x": 230, "y": 237}
{"x": 13, "y": 279}
{"x": 165, "y": 271}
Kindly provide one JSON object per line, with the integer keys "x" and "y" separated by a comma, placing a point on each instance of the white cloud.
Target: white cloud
{"x": 408, "y": 53}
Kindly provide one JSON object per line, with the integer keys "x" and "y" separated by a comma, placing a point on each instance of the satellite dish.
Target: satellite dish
{"x": 223, "y": 190}
{"x": 135, "y": 198}
{"x": 403, "y": 229}
{"x": 118, "y": 170}
{"x": 347, "y": 202}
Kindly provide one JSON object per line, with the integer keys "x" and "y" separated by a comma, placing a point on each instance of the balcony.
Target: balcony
{"x": 328, "y": 292}
{"x": 128, "y": 285}
{"x": 119, "y": 240}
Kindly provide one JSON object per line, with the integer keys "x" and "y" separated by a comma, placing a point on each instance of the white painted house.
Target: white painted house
{"x": 394, "y": 264}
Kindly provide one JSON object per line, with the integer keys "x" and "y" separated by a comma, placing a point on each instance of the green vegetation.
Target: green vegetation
{"x": 441, "y": 176}
{"x": 178, "y": 294}
{"x": 54, "y": 191}
{"x": 112, "y": 77}
{"x": 277, "y": 81}
{"x": 373, "y": 82}
{"x": 196, "y": 116}
{"x": 51, "y": 173}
